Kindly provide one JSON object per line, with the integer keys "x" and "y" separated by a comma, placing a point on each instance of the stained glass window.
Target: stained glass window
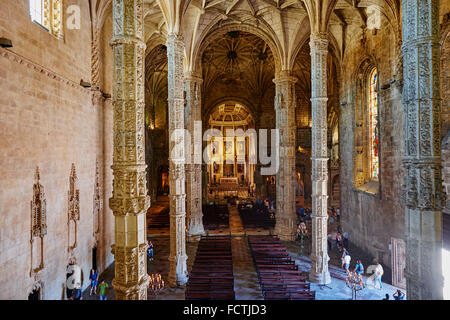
{"x": 373, "y": 126}
{"x": 47, "y": 13}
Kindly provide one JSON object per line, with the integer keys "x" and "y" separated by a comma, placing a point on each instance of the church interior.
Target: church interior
{"x": 224, "y": 149}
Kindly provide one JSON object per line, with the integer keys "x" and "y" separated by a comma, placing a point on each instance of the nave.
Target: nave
{"x": 235, "y": 256}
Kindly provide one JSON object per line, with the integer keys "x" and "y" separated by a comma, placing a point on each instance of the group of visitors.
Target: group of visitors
{"x": 398, "y": 295}
{"x": 102, "y": 287}
{"x": 304, "y": 213}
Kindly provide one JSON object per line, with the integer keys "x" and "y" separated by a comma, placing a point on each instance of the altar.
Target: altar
{"x": 229, "y": 180}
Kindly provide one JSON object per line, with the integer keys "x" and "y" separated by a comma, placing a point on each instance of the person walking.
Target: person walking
{"x": 359, "y": 268}
{"x": 344, "y": 253}
{"x": 94, "y": 281}
{"x": 378, "y": 274}
{"x": 347, "y": 260}
{"x": 330, "y": 242}
{"x": 338, "y": 215}
{"x": 345, "y": 239}
{"x": 339, "y": 241}
{"x": 102, "y": 290}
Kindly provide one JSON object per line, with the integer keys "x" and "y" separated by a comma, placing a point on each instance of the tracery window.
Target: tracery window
{"x": 367, "y": 130}
{"x": 373, "y": 126}
{"x": 47, "y": 13}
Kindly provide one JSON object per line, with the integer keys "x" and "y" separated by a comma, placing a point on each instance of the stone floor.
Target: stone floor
{"x": 246, "y": 283}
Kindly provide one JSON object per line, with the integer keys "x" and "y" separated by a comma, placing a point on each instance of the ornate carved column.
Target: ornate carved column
{"x": 129, "y": 201}
{"x": 319, "y": 265}
{"x": 423, "y": 191}
{"x": 193, "y": 118}
{"x": 257, "y": 177}
{"x": 285, "y": 102}
{"x": 177, "y": 258}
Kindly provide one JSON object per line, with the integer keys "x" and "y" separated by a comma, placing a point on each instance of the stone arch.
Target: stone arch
{"x": 219, "y": 31}
{"x": 245, "y": 102}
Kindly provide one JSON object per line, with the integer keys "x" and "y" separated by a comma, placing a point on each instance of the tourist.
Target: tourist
{"x": 345, "y": 239}
{"x": 347, "y": 260}
{"x": 339, "y": 241}
{"x": 150, "y": 250}
{"x": 344, "y": 253}
{"x": 359, "y": 268}
{"x": 386, "y": 297}
{"x": 398, "y": 295}
{"x": 330, "y": 242}
{"x": 378, "y": 274}
{"x": 94, "y": 281}
{"x": 102, "y": 290}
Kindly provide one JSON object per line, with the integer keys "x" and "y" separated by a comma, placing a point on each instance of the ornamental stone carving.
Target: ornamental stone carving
{"x": 423, "y": 192}
{"x": 285, "y": 103}
{"x": 38, "y": 222}
{"x": 175, "y": 77}
{"x": 193, "y": 119}
{"x": 73, "y": 212}
{"x": 129, "y": 201}
{"x": 319, "y": 266}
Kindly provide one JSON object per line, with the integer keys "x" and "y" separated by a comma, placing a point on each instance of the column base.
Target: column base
{"x": 196, "y": 230}
{"x": 320, "y": 278}
{"x": 286, "y": 229}
{"x": 178, "y": 271}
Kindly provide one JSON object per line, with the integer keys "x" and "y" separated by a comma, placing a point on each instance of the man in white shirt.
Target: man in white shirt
{"x": 347, "y": 260}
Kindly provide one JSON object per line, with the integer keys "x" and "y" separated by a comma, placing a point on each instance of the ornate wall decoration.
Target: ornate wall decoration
{"x": 38, "y": 221}
{"x": 73, "y": 212}
{"x": 98, "y": 205}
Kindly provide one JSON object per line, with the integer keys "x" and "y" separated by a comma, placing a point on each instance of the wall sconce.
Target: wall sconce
{"x": 5, "y": 43}
{"x": 85, "y": 84}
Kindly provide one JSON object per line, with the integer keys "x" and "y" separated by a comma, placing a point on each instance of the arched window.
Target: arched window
{"x": 366, "y": 150}
{"x": 373, "y": 126}
{"x": 47, "y": 13}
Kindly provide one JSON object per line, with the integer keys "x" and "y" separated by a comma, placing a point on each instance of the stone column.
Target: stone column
{"x": 257, "y": 177}
{"x": 177, "y": 257}
{"x": 423, "y": 191}
{"x": 129, "y": 201}
{"x": 193, "y": 120}
{"x": 285, "y": 101}
{"x": 319, "y": 265}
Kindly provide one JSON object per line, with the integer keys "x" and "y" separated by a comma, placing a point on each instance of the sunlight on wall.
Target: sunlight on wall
{"x": 446, "y": 272}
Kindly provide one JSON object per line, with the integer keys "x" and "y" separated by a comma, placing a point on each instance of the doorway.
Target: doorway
{"x": 398, "y": 262}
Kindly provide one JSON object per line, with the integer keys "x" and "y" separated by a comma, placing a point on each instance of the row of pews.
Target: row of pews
{"x": 256, "y": 218}
{"x": 158, "y": 218}
{"x": 216, "y": 216}
{"x": 278, "y": 275}
{"x": 211, "y": 277}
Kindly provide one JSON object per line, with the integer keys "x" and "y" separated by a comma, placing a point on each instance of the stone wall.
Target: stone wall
{"x": 48, "y": 120}
{"x": 372, "y": 219}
